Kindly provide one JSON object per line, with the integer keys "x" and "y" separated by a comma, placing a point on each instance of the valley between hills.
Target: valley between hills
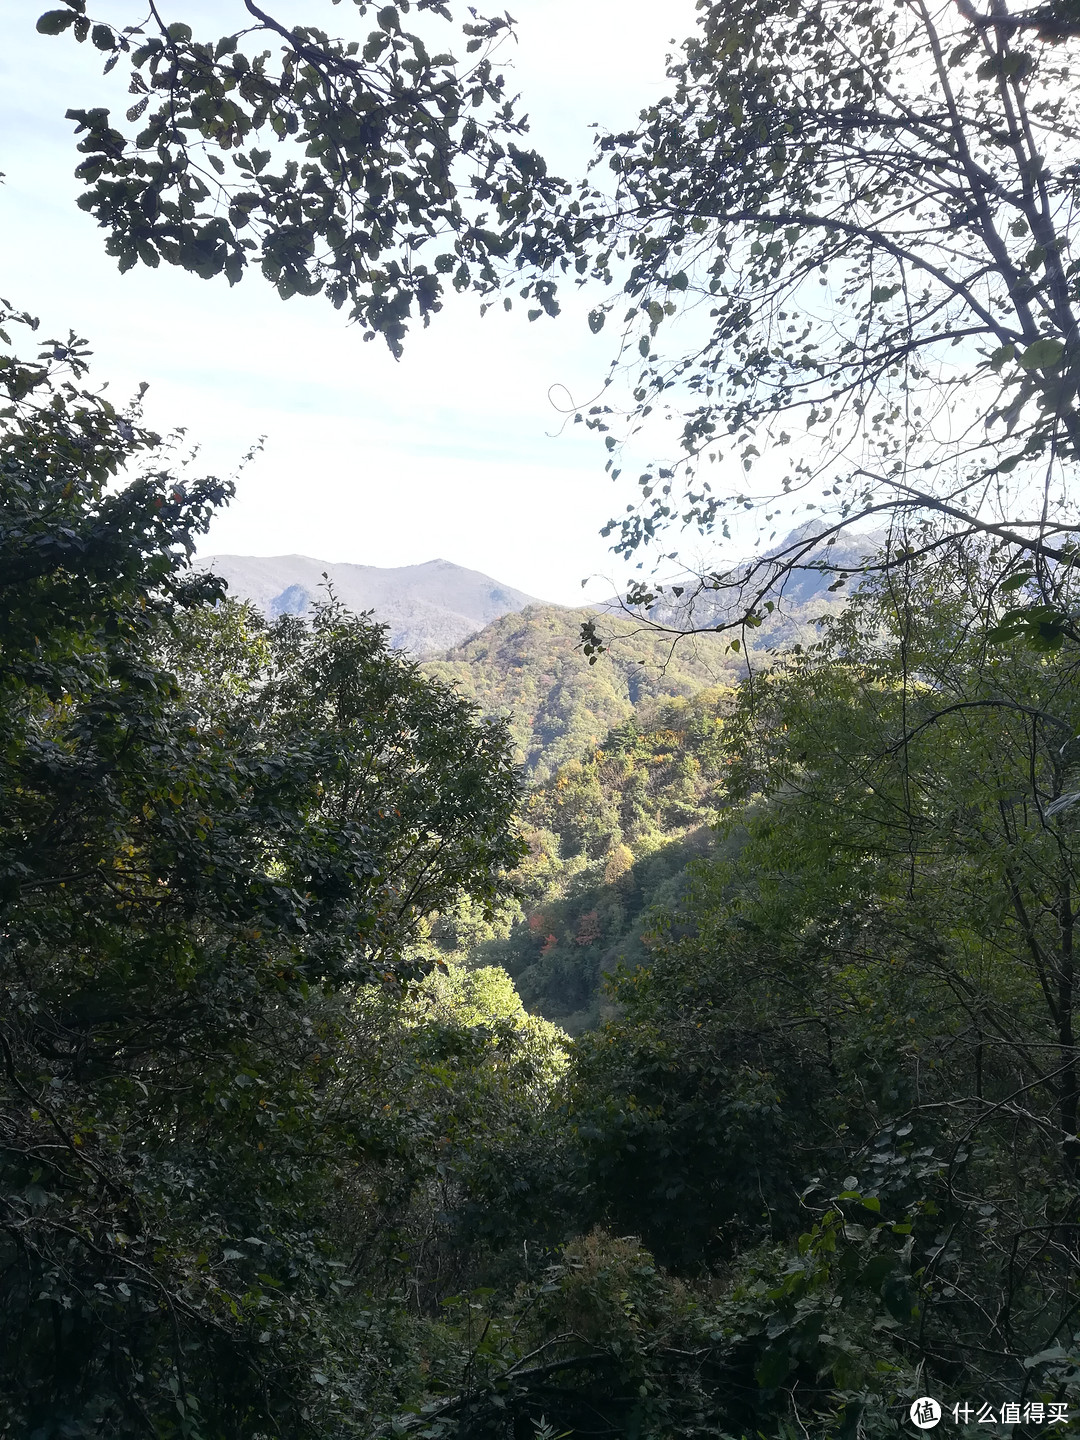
{"x": 621, "y": 754}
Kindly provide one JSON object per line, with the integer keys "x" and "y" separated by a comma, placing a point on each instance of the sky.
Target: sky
{"x": 456, "y": 452}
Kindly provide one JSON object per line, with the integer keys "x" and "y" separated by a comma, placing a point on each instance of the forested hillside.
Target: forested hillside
{"x": 559, "y": 700}
{"x": 610, "y": 837}
{"x": 530, "y": 668}
{"x": 623, "y": 755}
{"x": 285, "y": 1153}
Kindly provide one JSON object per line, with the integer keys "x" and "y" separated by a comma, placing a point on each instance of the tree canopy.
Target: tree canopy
{"x": 840, "y": 250}
{"x": 842, "y": 256}
{"x": 392, "y": 170}
{"x": 210, "y": 830}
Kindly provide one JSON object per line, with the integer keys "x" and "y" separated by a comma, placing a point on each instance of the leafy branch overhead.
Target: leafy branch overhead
{"x": 840, "y": 255}
{"x": 838, "y": 252}
{"x": 378, "y": 170}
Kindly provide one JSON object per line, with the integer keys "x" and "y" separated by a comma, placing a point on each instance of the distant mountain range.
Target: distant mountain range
{"x": 803, "y": 570}
{"x": 429, "y": 608}
{"x": 437, "y": 606}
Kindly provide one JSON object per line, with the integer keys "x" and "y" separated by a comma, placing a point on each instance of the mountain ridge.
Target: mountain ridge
{"x": 428, "y": 607}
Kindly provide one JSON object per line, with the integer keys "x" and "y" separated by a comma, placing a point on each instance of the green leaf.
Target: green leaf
{"x": 1043, "y": 355}
{"x": 773, "y": 1367}
{"x": 877, "y": 1270}
{"x": 53, "y": 22}
{"x": 102, "y": 37}
{"x": 1040, "y": 626}
{"x": 1015, "y": 582}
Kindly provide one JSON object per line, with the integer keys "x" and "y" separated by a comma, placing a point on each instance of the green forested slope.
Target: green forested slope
{"x": 623, "y": 761}
{"x": 530, "y": 667}
{"x": 610, "y": 834}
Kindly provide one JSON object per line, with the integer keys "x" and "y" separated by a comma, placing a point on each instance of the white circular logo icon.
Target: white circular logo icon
{"x": 925, "y": 1412}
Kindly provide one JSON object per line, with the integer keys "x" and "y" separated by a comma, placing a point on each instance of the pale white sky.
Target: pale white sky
{"x": 452, "y": 452}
